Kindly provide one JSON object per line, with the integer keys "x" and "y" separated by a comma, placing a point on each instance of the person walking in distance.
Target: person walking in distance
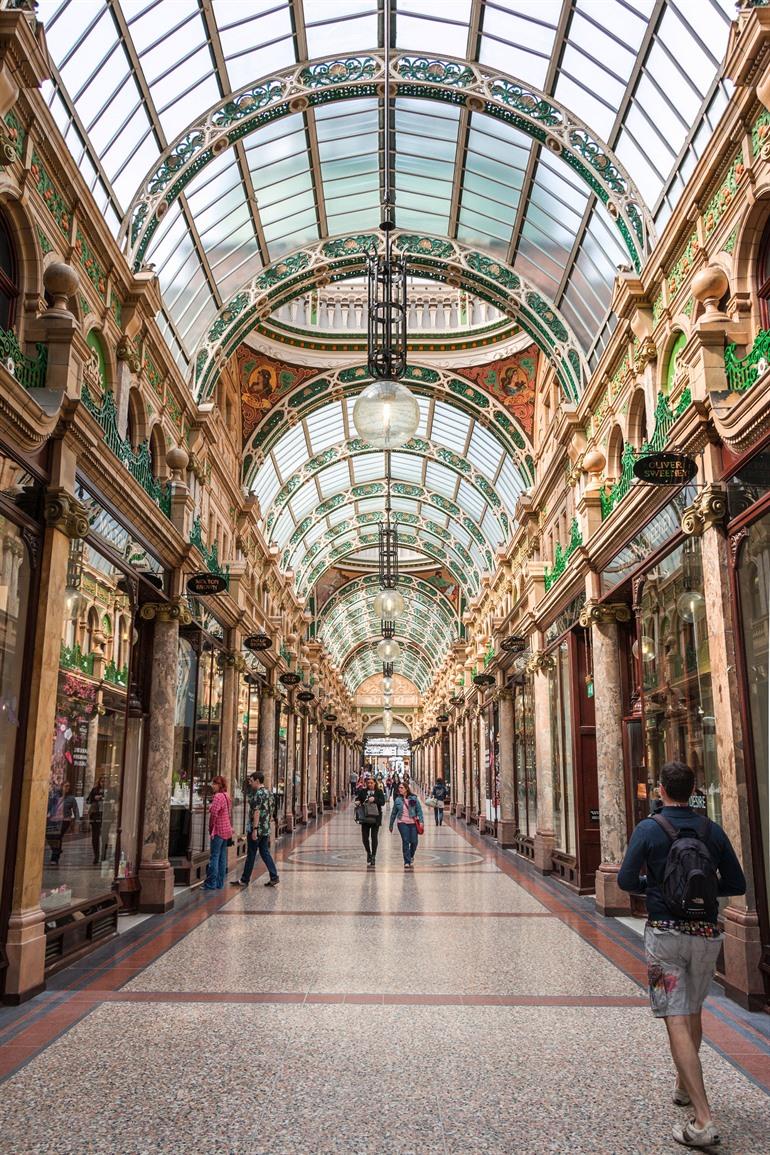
{"x": 221, "y": 834}
{"x": 260, "y": 806}
{"x": 438, "y": 794}
{"x": 690, "y": 862}
{"x": 353, "y": 781}
{"x": 407, "y": 812}
{"x": 369, "y": 803}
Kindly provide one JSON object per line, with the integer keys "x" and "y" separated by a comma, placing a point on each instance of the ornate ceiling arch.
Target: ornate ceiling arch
{"x": 335, "y": 78}
{"x": 368, "y": 585}
{"x": 436, "y": 258}
{"x": 322, "y": 555}
{"x": 356, "y": 623}
{"x": 414, "y": 663}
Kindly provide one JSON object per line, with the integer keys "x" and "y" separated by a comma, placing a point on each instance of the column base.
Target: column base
{"x": 506, "y": 832}
{"x": 312, "y": 809}
{"x": 742, "y": 978}
{"x": 611, "y": 901}
{"x": 289, "y": 823}
{"x": 157, "y": 882}
{"x": 543, "y": 843}
{"x": 25, "y": 948}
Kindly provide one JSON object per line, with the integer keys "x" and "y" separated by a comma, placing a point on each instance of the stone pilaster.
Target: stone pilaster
{"x": 312, "y": 770}
{"x": 156, "y": 875}
{"x": 302, "y": 802}
{"x": 232, "y": 665}
{"x": 603, "y": 621}
{"x": 66, "y": 519}
{"x": 506, "y": 830}
{"x": 742, "y": 944}
{"x": 267, "y": 735}
{"x": 545, "y": 838}
{"x": 291, "y": 767}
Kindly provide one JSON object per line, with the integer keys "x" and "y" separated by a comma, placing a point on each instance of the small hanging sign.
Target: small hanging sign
{"x": 256, "y": 642}
{"x": 289, "y": 679}
{"x": 202, "y": 584}
{"x": 665, "y": 468}
{"x": 514, "y": 644}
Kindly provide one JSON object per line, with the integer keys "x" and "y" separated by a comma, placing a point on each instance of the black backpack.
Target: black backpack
{"x": 690, "y": 882}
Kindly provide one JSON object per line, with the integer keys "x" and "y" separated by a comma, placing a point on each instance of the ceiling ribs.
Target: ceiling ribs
{"x": 464, "y": 125}
{"x": 311, "y": 132}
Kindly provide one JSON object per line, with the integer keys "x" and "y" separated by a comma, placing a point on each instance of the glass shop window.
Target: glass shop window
{"x": 763, "y": 276}
{"x": 248, "y": 746}
{"x": 82, "y": 851}
{"x": 678, "y": 702}
{"x": 15, "y": 579}
{"x": 524, "y": 754}
{"x": 754, "y": 579}
{"x": 561, "y": 739}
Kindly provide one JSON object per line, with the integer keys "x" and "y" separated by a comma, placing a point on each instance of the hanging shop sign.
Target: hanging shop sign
{"x": 457, "y": 699}
{"x": 514, "y": 644}
{"x": 442, "y": 717}
{"x": 666, "y": 468}
{"x": 205, "y": 583}
{"x": 305, "y": 696}
{"x": 330, "y": 717}
{"x": 256, "y": 642}
{"x": 289, "y": 679}
{"x": 484, "y": 680}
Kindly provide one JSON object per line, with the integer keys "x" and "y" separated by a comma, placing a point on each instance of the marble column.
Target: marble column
{"x": 66, "y": 520}
{"x": 613, "y": 823}
{"x": 228, "y": 736}
{"x": 156, "y": 875}
{"x": 545, "y": 838}
{"x": 267, "y": 735}
{"x": 312, "y": 769}
{"x": 506, "y": 829}
{"x": 468, "y": 774}
{"x": 742, "y": 942}
{"x": 291, "y": 766}
{"x": 302, "y": 804}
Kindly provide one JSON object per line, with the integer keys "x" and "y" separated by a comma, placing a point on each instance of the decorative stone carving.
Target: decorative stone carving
{"x": 177, "y": 459}
{"x": 645, "y": 354}
{"x": 65, "y": 513}
{"x": 708, "y": 287}
{"x": 540, "y": 663}
{"x": 61, "y": 281}
{"x": 234, "y": 661}
{"x": 709, "y": 508}
{"x": 599, "y": 613}
{"x": 125, "y": 351}
{"x": 173, "y": 611}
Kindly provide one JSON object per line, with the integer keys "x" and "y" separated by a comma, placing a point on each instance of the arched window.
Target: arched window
{"x": 158, "y": 451}
{"x": 94, "y": 342}
{"x": 763, "y": 276}
{"x": 92, "y": 628}
{"x": 9, "y": 288}
{"x": 673, "y": 358}
{"x": 637, "y": 419}
{"x": 615, "y": 453}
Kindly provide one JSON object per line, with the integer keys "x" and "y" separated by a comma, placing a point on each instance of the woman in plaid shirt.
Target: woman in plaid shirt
{"x": 221, "y": 831}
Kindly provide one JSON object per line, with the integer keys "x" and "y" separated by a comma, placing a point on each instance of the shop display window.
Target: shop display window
{"x": 524, "y": 754}
{"x": 248, "y": 746}
{"x": 15, "y": 579}
{"x": 561, "y": 739}
{"x": 82, "y": 853}
{"x": 754, "y": 585}
{"x": 672, "y": 648}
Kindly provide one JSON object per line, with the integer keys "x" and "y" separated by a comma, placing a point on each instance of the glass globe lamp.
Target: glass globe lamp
{"x": 691, "y": 606}
{"x": 386, "y": 414}
{"x": 388, "y": 650}
{"x": 388, "y": 605}
{"x": 648, "y": 648}
{"x": 387, "y": 685}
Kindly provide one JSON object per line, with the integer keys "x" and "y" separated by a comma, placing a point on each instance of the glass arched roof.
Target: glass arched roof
{"x": 130, "y": 76}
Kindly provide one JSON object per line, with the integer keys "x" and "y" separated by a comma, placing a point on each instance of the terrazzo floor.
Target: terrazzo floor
{"x": 468, "y": 1007}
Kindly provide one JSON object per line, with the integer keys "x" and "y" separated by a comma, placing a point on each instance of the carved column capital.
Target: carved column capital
{"x": 540, "y": 663}
{"x": 503, "y": 694}
{"x": 602, "y": 613}
{"x": 267, "y": 691}
{"x": 65, "y": 513}
{"x": 231, "y": 660}
{"x": 709, "y": 508}
{"x": 173, "y": 611}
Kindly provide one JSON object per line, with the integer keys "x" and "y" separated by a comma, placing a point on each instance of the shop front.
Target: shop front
{"x": 525, "y": 780}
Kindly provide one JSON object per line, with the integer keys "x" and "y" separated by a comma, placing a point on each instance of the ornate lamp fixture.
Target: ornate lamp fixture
{"x": 388, "y": 650}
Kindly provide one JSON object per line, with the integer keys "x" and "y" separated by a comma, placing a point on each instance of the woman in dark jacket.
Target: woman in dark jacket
{"x": 367, "y": 798}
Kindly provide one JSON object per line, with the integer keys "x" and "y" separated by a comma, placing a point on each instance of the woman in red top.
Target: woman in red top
{"x": 221, "y": 831}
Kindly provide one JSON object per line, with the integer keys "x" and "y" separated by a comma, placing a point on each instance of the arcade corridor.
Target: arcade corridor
{"x": 467, "y": 1007}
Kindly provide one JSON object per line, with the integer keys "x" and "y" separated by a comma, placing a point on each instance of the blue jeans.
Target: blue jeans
{"x": 215, "y": 875}
{"x": 409, "y": 839}
{"x": 263, "y": 846}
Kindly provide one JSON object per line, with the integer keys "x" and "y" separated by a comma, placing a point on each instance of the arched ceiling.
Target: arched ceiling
{"x": 536, "y": 148}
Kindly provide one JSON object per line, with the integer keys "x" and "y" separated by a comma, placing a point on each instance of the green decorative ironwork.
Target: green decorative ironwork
{"x": 210, "y": 555}
{"x": 30, "y": 372}
{"x": 562, "y": 555}
{"x": 665, "y": 418}
{"x": 73, "y": 658}
{"x": 742, "y": 372}
{"x": 138, "y": 461}
{"x": 115, "y": 676}
{"x": 489, "y": 656}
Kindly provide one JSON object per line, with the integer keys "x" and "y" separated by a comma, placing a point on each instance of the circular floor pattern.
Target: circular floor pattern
{"x": 343, "y": 858}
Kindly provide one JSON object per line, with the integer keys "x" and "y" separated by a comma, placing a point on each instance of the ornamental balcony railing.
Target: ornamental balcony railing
{"x": 73, "y": 658}
{"x": 343, "y": 309}
{"x": 138, "y": 462}
{"x": 116, "y": 676}
{"x": 743, "y": 372}
{"x": 209, "y": 555}
{"x": 665, "y": 417}
{"x": 30, "y": 372}
{"x": 562, "y": 554}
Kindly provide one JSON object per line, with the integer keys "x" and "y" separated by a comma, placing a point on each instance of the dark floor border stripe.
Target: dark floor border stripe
{"x": 395, "y": 913}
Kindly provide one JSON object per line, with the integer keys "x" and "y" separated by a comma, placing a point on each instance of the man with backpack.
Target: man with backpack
{"x": 690, "y": 862}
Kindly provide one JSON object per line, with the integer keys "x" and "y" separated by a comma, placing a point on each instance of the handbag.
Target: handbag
{"x": 419, "y": 826}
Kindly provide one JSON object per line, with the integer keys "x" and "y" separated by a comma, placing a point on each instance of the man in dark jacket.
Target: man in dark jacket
{"x": 681, "y": 955}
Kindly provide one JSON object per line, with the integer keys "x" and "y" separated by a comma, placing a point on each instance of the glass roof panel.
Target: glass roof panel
{"x": 334, "y": 479}
{"x": 449, "y": 427}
